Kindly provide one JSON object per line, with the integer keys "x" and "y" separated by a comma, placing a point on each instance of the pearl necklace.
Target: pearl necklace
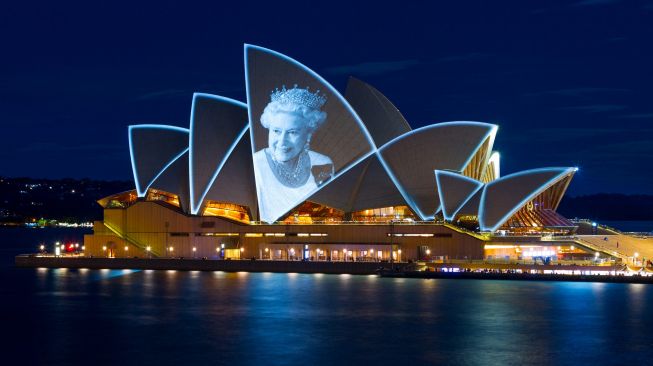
{"x": 291, "y": 176}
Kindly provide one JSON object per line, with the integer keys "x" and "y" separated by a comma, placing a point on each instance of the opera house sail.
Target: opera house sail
{"x": 298, "y": 170}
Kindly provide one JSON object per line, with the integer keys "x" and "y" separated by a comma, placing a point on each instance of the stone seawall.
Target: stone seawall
{"x": 27, "y": 261}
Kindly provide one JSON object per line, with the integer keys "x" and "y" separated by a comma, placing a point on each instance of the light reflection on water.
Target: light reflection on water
{"x": 109, "y": 317}
{"x": 325, "y": 319}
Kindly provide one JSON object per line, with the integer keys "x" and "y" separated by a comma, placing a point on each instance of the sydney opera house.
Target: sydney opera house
{"x": 301, "y": 171}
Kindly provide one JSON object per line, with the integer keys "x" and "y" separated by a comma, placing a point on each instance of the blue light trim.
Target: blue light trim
{"x": 438, "y": 125}
{"x": 320, "y": 79}
{"x": 404, "y": 194}
{"x": 196, "y": 204}
{"x": 438, "y": 173}
{"x": 217, "y": 171}
{"x": 481, "y": 215}
{"x": 491, "y": 133}
{"x": 139, "y": 190}
{"x": 342, "y": 171}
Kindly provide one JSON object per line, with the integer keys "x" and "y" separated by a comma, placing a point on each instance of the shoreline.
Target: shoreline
{"x": 401, "y": 270}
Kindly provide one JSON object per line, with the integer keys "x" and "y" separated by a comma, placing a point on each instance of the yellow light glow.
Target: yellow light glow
{"x": 498, "y": 246}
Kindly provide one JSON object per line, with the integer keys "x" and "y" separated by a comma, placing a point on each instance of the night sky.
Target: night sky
{"x": 570, "y": 83}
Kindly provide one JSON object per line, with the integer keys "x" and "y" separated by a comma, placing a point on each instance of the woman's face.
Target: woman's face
{"x": 287, "y": 136}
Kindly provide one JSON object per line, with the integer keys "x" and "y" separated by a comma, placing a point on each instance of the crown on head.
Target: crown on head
{"x": 298, "y": 96}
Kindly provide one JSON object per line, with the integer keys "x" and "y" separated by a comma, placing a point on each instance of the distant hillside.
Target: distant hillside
{"x": 605, "y": 206}
{"x": 67, "y": 200}
{"x": 75, "y": 201}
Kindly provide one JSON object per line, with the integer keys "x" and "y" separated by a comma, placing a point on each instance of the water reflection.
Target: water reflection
{"x": 263, "y": 318}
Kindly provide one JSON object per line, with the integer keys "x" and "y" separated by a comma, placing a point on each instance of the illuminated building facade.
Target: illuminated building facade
{"x": 303, "y": 172}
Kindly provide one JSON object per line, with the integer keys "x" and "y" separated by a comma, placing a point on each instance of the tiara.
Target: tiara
{"x": 298, "y": 96}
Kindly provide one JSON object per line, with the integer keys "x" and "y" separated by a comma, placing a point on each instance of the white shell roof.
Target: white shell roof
{"x": 216, "y": 126}
{"x": 503, "y": 197}
{"x": 213, "y": 160}
{"x": 153, "y": 148}
{"x": 412, "y": 158}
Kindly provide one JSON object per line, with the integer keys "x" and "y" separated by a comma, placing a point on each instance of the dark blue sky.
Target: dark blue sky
{"x": 570, "y": 83}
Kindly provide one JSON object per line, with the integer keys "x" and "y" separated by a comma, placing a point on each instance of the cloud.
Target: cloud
{"x": 49, "y": 147}
{"x": 371, "y": 68}
{"x": 559, "y": 134}
{"x": 382, "y": 67}
{"x": 163, "y": 94}
{"x": 636, "y": 116}
{"x": 594, "y": 2}
{"x": 464, "y": 57}
{"x": 577, "y": 92}
{"x": 594, "y": 108}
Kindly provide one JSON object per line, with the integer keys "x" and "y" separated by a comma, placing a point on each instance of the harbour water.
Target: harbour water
{"x": 122, "y": 317}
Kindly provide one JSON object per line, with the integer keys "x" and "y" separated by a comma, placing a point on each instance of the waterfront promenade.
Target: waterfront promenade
{"x": 460, "y": 270}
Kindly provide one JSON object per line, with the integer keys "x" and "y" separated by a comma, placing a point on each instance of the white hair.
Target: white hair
{"x": 314, "y": 117}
